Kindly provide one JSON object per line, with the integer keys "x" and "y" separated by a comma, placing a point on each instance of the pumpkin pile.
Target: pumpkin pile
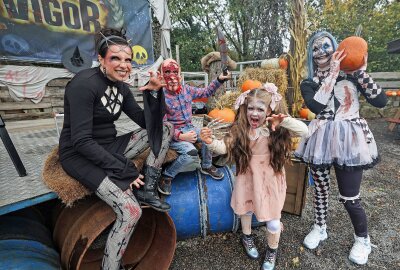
{"x": 393, "y": 93}
{"x": 355, "y": 48}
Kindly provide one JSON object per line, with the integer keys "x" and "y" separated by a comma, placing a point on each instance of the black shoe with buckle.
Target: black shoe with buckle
{"x": 164, "y": 185}
{"x": 213, "y": 171}
{"x": 249, "y": 246}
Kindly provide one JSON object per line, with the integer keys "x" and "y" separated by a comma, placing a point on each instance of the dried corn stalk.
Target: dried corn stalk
{"x": 298, "y": 51}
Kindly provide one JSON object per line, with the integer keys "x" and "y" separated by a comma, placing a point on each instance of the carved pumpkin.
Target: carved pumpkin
{"x": 355, "y": 48}
{"x": 226, "y": 115}
{"x": 304, "y": 113}
{"x": 250, "y": 84}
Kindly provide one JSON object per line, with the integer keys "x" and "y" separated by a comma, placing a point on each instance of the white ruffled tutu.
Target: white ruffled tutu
{"x": 341, "y": 143}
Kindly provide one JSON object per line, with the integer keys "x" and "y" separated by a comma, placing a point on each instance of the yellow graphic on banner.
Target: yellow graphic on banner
{"x": 78, "y": 16}
{"x": 140, "y": 55}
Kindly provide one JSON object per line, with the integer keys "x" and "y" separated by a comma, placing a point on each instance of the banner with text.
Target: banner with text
{"x": 41, "y": 30}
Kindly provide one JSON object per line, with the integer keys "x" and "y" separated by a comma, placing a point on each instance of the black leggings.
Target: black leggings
{"x": 349, "y": 189}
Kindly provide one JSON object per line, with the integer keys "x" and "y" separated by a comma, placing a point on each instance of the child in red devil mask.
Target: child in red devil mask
{"x": 178, "y": 99}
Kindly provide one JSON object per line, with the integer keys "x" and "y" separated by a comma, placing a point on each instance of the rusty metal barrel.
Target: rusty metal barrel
{"x": 80, "y": 233}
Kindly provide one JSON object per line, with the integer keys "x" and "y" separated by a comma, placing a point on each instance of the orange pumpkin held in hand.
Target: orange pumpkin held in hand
{"x": 226, "y": 115}
{"x": 250, "y": 84}
{"x": 355, "y": 48}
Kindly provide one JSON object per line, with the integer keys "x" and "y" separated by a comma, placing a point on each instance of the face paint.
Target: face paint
{"x": 256, "y": 113}
{"x": 118, "y": 65}
{"x": 172, "y": 75}
{"x": 322, "y": 51}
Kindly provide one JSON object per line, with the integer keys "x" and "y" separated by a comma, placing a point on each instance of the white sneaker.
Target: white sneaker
{"x": 360, "y": 250}
{"x": 317, "y": 234}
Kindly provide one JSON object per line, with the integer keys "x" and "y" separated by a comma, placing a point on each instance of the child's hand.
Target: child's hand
{"x": 224, "y": 78}
{"x": 155, "y": 83}
{"x": 138, "y": 182}
{"x": 190, "y": 136}
{"x": 206, "y": 135}
{"x": 275, "y": 120}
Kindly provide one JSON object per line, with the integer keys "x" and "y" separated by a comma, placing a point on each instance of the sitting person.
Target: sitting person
{"x": 91, "y": 152}
{"x": 178, "y": 99}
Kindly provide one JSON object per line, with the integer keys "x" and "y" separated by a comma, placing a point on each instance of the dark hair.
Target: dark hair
{"x": 106, "y": 35}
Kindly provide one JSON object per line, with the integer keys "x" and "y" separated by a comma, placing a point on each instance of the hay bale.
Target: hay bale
{"x": 275, "y": 76}
{"x": 227, "y": 100}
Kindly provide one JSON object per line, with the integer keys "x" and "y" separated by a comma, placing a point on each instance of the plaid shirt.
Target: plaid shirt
{"x": 179, "y": 106}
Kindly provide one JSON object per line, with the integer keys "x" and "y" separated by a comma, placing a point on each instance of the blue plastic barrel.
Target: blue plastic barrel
{"x": 201, "y": 205}
{"x": 26, "y": 243}
{"x": 27, "y": 255}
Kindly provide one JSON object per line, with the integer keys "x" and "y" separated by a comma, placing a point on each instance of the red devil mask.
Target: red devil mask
{"x": 171, "y": 72}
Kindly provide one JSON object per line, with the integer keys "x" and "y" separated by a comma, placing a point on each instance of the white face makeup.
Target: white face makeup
{"x": 322, "y": 51}
{"x": 256, "y": 113}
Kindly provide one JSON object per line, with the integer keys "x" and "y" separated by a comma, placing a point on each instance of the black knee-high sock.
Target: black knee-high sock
{"x": 321, "y": 193}
{"x": 349, "y": 187}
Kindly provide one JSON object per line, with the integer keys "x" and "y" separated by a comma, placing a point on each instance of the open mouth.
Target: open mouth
{"x": 254, "y": 122}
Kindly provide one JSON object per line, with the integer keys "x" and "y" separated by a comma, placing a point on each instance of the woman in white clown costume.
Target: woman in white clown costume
{"x": 338, "y": 138}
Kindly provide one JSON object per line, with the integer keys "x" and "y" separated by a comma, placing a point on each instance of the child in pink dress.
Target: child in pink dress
{"x": 259, "y": 152}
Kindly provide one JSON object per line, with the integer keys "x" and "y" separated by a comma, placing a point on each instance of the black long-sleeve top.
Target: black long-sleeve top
{"x": 89, "y": 148}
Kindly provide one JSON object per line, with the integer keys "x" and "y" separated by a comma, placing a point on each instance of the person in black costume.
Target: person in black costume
{"x": 92, "y": 153}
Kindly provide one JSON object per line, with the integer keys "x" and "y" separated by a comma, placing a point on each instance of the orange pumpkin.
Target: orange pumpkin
{"x": 226, "y": 115}
{"x": 283, "y": 63}
{"x": 304, "y": 113}
{"x": 250, "y": 84}
{"x": 398, "y": 92}
{"x": 355, "y": 48}
{"x": 388, "y": 93}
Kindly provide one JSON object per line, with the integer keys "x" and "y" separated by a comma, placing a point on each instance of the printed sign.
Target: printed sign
{"x": 41, "y": 30}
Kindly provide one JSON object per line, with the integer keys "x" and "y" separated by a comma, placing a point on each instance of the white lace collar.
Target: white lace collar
{"x": 260, "y": 131}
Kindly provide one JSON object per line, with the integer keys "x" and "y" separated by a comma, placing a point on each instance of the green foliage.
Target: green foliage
{"x": 380, "y": 20}
{"x": 193, "y": 45}
{"x": 253, "y": 29}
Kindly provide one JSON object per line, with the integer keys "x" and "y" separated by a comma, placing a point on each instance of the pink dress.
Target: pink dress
{"x": 260, "y": 190}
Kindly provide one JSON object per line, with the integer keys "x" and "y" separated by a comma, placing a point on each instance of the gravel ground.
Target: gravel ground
{"x": 380, "y": 192}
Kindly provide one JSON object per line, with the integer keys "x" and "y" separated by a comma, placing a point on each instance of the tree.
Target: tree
{"x": 380, "y": 20}
{"x": 253, "y": 29}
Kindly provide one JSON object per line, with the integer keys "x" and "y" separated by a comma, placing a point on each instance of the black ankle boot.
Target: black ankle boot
{"x": 147, "y": 194}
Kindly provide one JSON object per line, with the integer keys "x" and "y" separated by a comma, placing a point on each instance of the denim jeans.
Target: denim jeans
{"x": 188, "y": 159}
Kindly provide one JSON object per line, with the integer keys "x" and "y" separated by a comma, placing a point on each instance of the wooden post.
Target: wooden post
{"x": 177, "y": 54}
{"x": 214, "y": 72}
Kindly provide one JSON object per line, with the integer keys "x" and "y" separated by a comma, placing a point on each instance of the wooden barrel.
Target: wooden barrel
{"x": 80, "y": 234}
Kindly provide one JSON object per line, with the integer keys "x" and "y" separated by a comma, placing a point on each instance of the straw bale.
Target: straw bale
{"x": 276, "y": 76}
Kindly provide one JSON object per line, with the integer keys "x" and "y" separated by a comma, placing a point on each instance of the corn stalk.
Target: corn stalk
{"x": 298, "y": 51}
